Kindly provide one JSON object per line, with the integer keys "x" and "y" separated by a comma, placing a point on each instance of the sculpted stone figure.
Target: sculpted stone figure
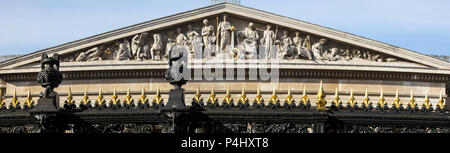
{"x": 319, "y": 48}
{"x": 123, "y": 52}
{"x": 49, "y": 77}
{"x": 138, "y": 49}
{"x": 224, "y": 33}
{"x": 285, "y": 49}
{"x": 208, "y": 38}
{"x": 93, "y": 54}
{"x": 268, "y": 41}
{"x": 156, "y": 50}
{"x": 249, "y": 44}
{"x": 194, "y": 40}
{"x": 302, "y": 53}
{"x": 181, "y": 39}
{"x": 307, "y": 43}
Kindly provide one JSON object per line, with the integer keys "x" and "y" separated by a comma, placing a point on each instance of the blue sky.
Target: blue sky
{"x": 31, "y": 25}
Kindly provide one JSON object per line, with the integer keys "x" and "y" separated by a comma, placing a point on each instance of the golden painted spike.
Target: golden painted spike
{"x": 2, "y": 101}
{"x": 85, "y": 100}
{"x": 382, "y": 101}
{"x": 143, "y": 99}
{"x": 100, "y": 99}
{"x": 243, "y": 99}
{"x": 258, "y": 99}
{"x": 115, "y": 99}
{"x": 427, "y": 103}
{"x": 128, "y": 98}
{"x": 212, "y": 98}
{"x": 198, "y": 96}
{"x": 441, "y": 104}
{"x": 69, "y": 100}
{"x": 321, "y": 102}
{"x": 351, "y": 101}
{"x": 367, "y": 102}
{"x": 397, "y": 103}
{"x": 14, "y": 101}
{"x": 228, "y": 99}
{"x": 29, "y": 100}
{"x": 337, "y": 100}
{"x": 305, "y": 98}
{"x": 289, "y": 99}
{"x": 158, "y": 98}
{"x": 412, "y": 102}
{"x": 274, "y": 99}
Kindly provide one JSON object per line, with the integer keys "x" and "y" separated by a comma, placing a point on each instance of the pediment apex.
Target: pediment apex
{"x": 237, "y": 11}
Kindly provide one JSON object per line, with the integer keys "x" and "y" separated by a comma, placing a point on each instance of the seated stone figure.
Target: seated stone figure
{"x": 250, "y": 43}
{"x": 123, "y": 52}
{"x": 319, "y": 48}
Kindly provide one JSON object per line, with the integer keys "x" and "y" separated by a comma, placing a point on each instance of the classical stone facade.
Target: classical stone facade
{"x": 131, "y": 62}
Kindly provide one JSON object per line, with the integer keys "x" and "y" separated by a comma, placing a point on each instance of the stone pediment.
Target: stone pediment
{"x": 132, "y": 47}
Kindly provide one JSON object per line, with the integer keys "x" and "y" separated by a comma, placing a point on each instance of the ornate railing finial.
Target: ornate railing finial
{"x": 351, "y": 100}
{"x": 198, "y": 96}
{"x": 85, "y": 102}
{"x": 258, "y": 98}
{"x": 228, "y": 99}
{"x": 128, "y": 101}
{"x": 274, "y": 99}
{"x": 212, "y": 97}
{"x": 158, "y": 98}
{"x": 100, "y": 102}
{"x": 304, "y": 101}
{"x": 427, "y": 103}
{"x": 289, "y": 99}
{"x": 397, "y": 103}
{"x": 69, "y": 103}
{"x": 15, "y": 104}
{"x": 321, "y": 102}
{"x": 441, "y": 104}
{"x": 143, "y": 100}
{"x": 29, "y": 102}
{"x": 382, "y": 102}
{"x": 367, "y": 102}
{"x": 243, "y": 99}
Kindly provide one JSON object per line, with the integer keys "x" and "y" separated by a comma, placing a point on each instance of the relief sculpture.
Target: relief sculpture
{"x": 204, "y": 43}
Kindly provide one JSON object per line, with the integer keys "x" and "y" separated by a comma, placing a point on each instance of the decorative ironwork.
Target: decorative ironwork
{"x": 14, "y": 104}
{"x": 143, "y": 100}
{"x": 128, "y": 102}
{"x": 29, "y": 102}
{"x": 243, "y": 100}
{"x": 412, "y": 105}
{"x": 274, "y": 101}
{"x": 228, "y": 100}
{"x": 366, "y": 105}
{"x": 115, "y": 101}
{"x": 85, "y": 103}
{"x": 212, "y": 100}
{"x": 100, "y": 103}
{"x": 289, "y": 102}
{"x": 382, "y": 104}
{"x": 158, "y": 101}
{"x": 69, "y": 103}
{"x": 397, "y": 105}
{"x": 321, "y": 102}
{"x": 305, "y": 103}
{"x": 259, "y": 100}
{"x": 427, "y": 106}
{"x": 351, "y": 103}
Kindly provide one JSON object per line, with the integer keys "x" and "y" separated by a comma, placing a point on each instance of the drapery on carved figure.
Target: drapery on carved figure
{"x": 123, "y": 52}
{"x": 209, "y": 38}
{"x": 138, "y": 48}
{"x": 49, "y": 77}
{"x": 249, "y": 44}
{"x": 319, "y": 48}
{"x": 93, "y": 54}
{"x": 268, "y": 41}
{"x": 156, "y": 50}
{"x": 224, "y": 29}
{"x": 302, "y": 52}
{"x": 194, "y": 40}
{"x": 181, "y": 39}
{"x": 285, "y": 48}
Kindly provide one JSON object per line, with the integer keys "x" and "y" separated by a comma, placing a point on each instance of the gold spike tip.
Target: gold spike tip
{"x": 321, "y": 102}
{"x": 351, "y": 100}
{"x": 289, "y": 99}
{"x": 412, "y": 101}
{"x": 441, "y": 102}
{"x": 427, "y": 104}
{"x": 197, "y": 98}
{"x": 321, "y": 93}
{"x": 304, "y": 91}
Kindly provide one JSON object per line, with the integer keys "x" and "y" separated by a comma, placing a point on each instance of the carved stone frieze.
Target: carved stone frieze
{"x": 205, "y": 39}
